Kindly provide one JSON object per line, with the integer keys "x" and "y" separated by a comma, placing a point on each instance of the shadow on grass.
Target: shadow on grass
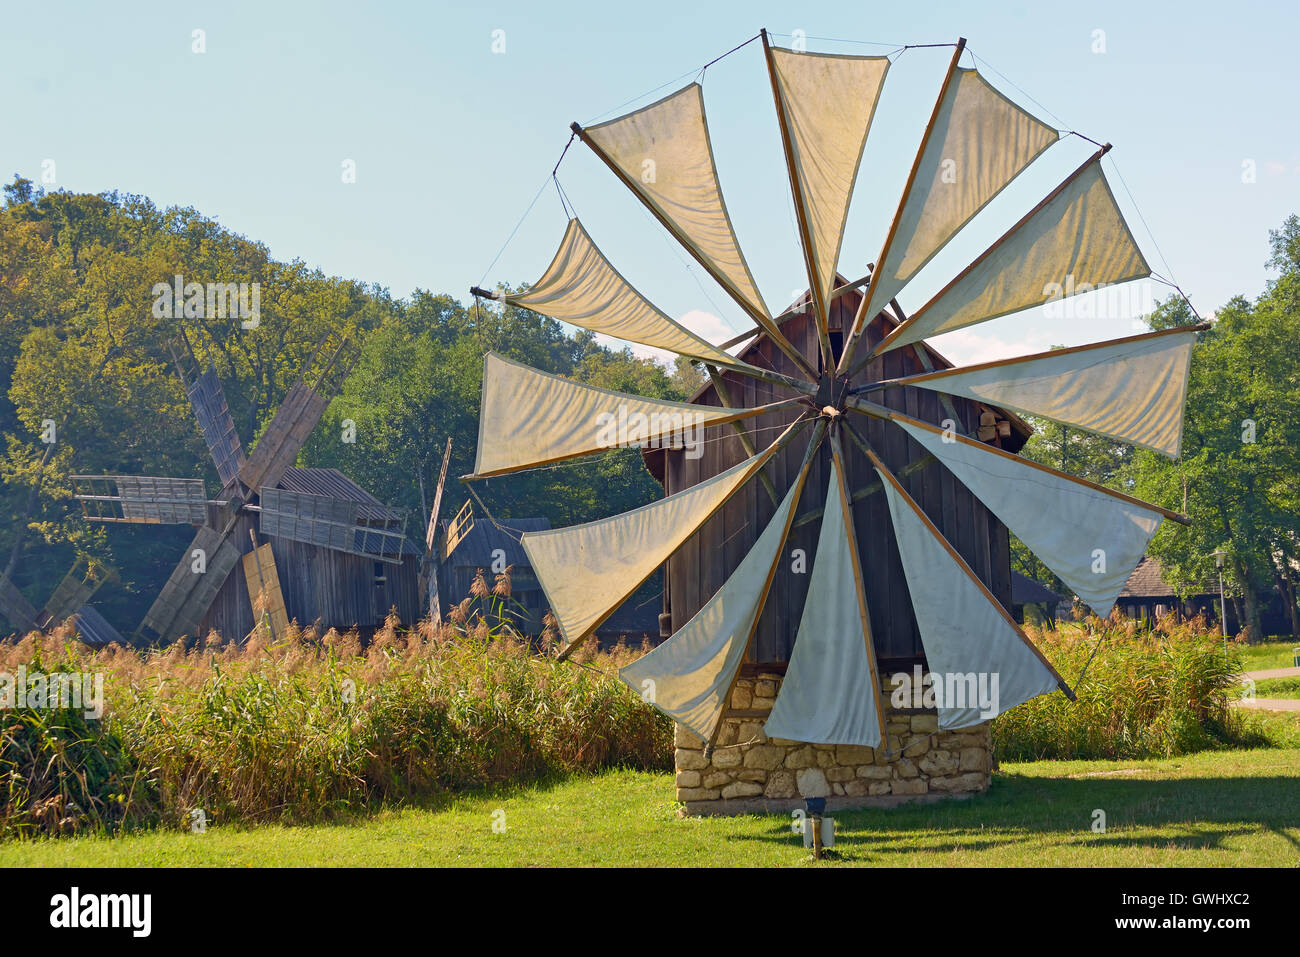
{"x": 1198, "y": 813}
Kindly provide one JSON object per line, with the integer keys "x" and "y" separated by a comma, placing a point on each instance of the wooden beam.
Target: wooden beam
{"x": 753, "y": 312}
{"x": 885, "y": 344}
{"x": 747, "y": 443}
{"x": 820, "y": 313}
{"x": 860, "y": 320}
{"x": 818, "y": 433}
{"x": 855, "y": 403}
{"x": 837, "y": 456}
{"x": 781, "y": 442}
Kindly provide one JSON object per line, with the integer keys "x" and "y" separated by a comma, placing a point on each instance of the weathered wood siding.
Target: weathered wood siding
{"x": 700, "y": 567}
{"x": 321, "y": 587}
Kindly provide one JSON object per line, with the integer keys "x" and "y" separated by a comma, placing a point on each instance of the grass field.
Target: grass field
{"x": 1267, "y": 654}
{"x": 1229, "y": 808}
{"x": 1278, "y": 688}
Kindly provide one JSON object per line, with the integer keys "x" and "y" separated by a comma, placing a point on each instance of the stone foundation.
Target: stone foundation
{"x": 773, "y": 775}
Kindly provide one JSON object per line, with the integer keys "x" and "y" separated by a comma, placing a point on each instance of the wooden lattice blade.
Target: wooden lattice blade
{"x": 284, "y": 437}
{"x": 189, "y": 592}
{"x": 15, "y": 607}
{"x": 141, "y": 499}
{"x": 263, "y": 582}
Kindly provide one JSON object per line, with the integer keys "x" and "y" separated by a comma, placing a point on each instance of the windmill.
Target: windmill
{"x": 835, "y": 394}
{"x": 70, "y": 599}
{"x": 257, "y": 496}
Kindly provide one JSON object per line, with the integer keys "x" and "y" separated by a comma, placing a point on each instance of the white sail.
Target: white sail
{"x": 664, "y": 153}
{"x": 830, "y": 693}
{"x": 687, "y": 677}
{"x": 1091, "y": 539}
{"x": 581, "y": 287}
{"x": 828, "y": 102}
{"x": 1075, "y": 243}
{"x": 1132, "y": 389}
{"x": 587, "y": 571}
{"x": 529, "y": 418}
{"x": 980, "y": 141}
{"x": 980, "y": 662}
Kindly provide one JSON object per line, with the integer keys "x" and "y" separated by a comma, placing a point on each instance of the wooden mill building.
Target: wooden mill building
{"x": 322, "y": 586}
{"x": 700, "y": 567}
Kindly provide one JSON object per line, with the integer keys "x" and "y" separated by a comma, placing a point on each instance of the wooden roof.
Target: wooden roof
{"x": 475, "y": 549}
{"x": 1148, "y": 581}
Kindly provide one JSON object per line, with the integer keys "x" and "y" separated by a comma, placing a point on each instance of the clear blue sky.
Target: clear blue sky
{"x": 452, "y": 141}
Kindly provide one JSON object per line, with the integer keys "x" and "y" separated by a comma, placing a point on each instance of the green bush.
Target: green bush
{"x": 1154, "y": 693}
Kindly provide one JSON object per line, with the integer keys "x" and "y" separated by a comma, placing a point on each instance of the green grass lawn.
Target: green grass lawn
{"x": 1233, "y": 808}
{"x": 1278, "y": 688}
{"x": 1267, "y": 654}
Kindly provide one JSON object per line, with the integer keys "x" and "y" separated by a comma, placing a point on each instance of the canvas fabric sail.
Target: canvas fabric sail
{"x": 1090, "y": 539}
{"x": 1132, "y": 390}
{"x": 967, "y": 638}
{"x": 530, "y": 418}
{"x": 687, "y": 677}
{"x": 828, "y": 102}
{"x": 1075, "y": 243}
{"x": 828, "y": 695}
{"x": 588, "y": 570}
{"x": 664, "y": 152}
{"x": 979, "y": 143}
{"x": 583, "y": 288}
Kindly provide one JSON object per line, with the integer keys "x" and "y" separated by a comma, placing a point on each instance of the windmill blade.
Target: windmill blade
{"x": 831, "y": 691}
{"x": 1095, "y": 537}
{"x": 142, "y": 499}
{"x": 1075, "y": 241}
{"x": 976, "y": 143}
{"x": 1131, "y": 389}
{"x": 581, "y": 287}
{"x": 18, "y": 611}
{"x": 689, "y": 677}
{"x": 529, "y": 418}
{"x": 967, "y": 635}
{"x": 193, "y": 585}
{"x": 587, "y": 571}
{"x": 208, "y": 400}
{"x": 75, "y": 590}
{"x": 432, "y": 529}
{"x": 332, "y": 523}
{"x": 824, "y": 106}
{"x": 294, "y": 420}
{"x": 262, "y": 580}
{"x": 662, "y": 153}
{"x": 429, "y": 580}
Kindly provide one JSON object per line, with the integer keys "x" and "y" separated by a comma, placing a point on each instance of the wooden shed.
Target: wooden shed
{"x": 322, "y": 586}
{"x": 698, "y": 569}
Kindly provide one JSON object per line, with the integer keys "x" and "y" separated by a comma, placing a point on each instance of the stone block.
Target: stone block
{"x": 688, "y": 760}
{"x": 764, "y": 756}
{"x": 812, "y": 783}
{"x": 688, "y": 779}
{"x": 925, "y": 723}
{"x": 804, "y": 757}
{"x": 741, "y": 789}
{"x": 912, "y": 786}
{"x": 697, "y": 794}
{"x": 780, "y": 784}
{"x": 851, "y": 754}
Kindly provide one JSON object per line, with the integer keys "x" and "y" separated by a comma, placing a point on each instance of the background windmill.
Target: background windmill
{"x": 329, "y": 540}
{"x": 914, "y": 489}
{"x": 70, "y": 599}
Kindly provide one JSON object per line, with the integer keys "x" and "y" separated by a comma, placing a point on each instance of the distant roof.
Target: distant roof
{"x": 1148, "y": 581}
{"x": 475, "y": 549}
{"x": 332, "y": 483}
{"x": 1026, "y": 591}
